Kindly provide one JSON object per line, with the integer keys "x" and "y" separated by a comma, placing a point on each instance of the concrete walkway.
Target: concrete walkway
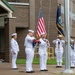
{"x": 5, "y": 69}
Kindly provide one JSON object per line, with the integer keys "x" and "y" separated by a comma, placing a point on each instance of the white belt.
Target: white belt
{"x": 28, "y": 47}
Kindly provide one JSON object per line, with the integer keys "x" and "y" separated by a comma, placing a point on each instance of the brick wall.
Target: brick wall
{"x": 22, "y": 32}
{"x": 22, "y": 15}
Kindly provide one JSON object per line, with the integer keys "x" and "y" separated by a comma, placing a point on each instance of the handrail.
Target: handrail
{"x": 50, "y": 52}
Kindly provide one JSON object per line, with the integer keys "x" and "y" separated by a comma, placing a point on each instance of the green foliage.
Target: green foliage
{"x": 36, "y": 61}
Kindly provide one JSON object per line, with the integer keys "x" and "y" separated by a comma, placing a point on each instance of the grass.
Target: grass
{"x": 36, "y": 61}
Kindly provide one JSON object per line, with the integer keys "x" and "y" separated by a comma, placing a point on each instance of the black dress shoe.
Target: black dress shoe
{"x": 32, "y": 71}
{"x": 14, "y": 68}
{"x": 41, "y": 70}
{"x": 72, "y": 67}
{"x": 45, "y": 70}
{"x": 60, "y": 66}
{"x": 57, "y": 66}
{"x": 28, "y": 71}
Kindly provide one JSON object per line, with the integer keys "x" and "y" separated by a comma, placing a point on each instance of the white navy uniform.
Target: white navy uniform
{"x": 14, "y": 49}
{"x": 29, "y": 50}
{"x": 72, "y": 49}
{"x": 43, "y": 53}
{"x": 59, "y": 50}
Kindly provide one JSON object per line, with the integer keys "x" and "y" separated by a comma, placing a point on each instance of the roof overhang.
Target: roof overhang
{"x": 6, "y": 9}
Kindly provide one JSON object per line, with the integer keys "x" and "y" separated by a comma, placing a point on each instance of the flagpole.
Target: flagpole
{"x": 39, "y": 12}
{"x": 41, "y": 3}
{"x": 67, "y": 37}
{"x": 48, "y": 34}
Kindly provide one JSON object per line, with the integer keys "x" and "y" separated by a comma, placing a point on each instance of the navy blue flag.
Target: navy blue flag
{"x": 59, "y": 24}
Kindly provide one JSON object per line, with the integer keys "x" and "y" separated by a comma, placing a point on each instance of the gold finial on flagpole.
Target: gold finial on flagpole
{"x": 41, "y": 3}
{"x": 58, "y": 4}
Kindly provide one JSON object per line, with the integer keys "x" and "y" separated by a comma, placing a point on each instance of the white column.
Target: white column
{"x": 32, "y": 14}
{"x": 9, "y": 14}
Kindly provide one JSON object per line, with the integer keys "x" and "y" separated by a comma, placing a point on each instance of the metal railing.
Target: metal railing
{"x": 50, "y": 53}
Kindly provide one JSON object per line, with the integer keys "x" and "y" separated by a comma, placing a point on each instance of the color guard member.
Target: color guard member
{"x": 59, "y": 50}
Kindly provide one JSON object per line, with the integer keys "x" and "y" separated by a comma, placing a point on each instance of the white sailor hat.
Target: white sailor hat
{"x": 14, "y": 34}
{"x": 60, "y": 36}
{"x": 72, "y": 40}
{"x": 31, "y": 31}
{"x": 43, "y": 33}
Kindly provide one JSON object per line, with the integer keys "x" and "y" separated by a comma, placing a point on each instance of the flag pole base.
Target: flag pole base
{"x": 67, "y": 71}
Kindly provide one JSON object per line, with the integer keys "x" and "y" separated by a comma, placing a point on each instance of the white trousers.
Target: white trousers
{"x": 29, "y": 58}
{"x": 59, "y": 55}
{"x": 72, "y": 60}
{"x": 43, "y": 60}
{"x": 14, "y": 58}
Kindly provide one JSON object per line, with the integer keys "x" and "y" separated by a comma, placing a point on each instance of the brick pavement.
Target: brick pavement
{"x": 5, "y": 69}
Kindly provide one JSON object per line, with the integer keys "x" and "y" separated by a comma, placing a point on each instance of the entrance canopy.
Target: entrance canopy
{"x": 6, "y": 9}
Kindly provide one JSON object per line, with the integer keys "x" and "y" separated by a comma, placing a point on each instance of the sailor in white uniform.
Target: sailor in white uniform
{"x": 59, "y": 50}
{"x": 29, "y": 50}
{"x": 44, "y": 43}
{"x": 72, "y": 49}
{"x": 14, "y": 50}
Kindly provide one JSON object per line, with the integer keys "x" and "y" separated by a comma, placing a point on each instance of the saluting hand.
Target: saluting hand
{"x": 47, "y": 41}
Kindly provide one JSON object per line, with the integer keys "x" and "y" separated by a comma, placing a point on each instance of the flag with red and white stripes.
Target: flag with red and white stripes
{"x": 41, "y": 25}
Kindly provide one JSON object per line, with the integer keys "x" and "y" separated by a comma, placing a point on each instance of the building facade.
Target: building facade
{"x": 24, "y": 17}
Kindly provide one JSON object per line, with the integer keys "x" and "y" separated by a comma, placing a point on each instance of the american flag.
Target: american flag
{"x": 41, "y": 25}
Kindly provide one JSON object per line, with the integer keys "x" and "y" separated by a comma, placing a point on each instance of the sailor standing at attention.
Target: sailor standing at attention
{"x": 44, "y": 43}
{"x": 14, "y": 50}
{"x": 59, "y": 50}
{"x": 72, "y": 56}
{"x": 29, "y": 50}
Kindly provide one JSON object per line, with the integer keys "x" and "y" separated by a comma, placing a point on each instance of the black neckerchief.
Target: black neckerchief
{"x": 72, "y": 46}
